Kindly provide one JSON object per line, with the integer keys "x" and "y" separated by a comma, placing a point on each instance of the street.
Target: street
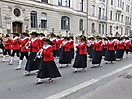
{"x": 92, "y": 84}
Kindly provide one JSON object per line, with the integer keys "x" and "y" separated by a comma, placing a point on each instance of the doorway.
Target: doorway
{"x": 17, "y": 27}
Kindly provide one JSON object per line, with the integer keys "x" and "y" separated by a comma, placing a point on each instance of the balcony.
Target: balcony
{"x": 119, "y": 9}
{"x": 128, "y": 23}
{"x": 102, "y": 18}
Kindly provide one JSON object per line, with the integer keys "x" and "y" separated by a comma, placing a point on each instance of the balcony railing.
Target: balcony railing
{"x": 128, "y": 23}
{"x": 119, "y": 9}
{"x": 102, "y": 17}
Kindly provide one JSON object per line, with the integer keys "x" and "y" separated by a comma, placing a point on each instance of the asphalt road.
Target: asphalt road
{"x": 14, "y": 85}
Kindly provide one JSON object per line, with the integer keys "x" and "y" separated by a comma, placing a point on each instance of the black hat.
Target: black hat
{"x": 24, "y": 33}
{"x": 52, "y": 34}
{"x": 34, "y": 33}
{"x": 71, "y": 37}
{"x": 42, "y": 34}
{"x": 83, "y": 38}
{"x": 15, "y": 33}
{"x": 58, "y": 36}
{"x": 67, "y": 38}
{"x": 48, "y": 40}
{"x": 7, "y": 35}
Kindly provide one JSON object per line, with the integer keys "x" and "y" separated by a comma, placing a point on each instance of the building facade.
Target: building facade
{"x": 94, "y": 16}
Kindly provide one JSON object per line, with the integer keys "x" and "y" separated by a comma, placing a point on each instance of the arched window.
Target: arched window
{"x": 67, "y": 3}
{"x": 80, "y": 5}
{"x": 43, "y": 20}
{"x": 0, "y": 19}
{"x": 93, "y": 28}
{"x": 34, "y": 23}
{"x": 45, "y": 1}
{"x": 65, "y": 23}
{"x": 60, "y": 2}
{"x": 81, "y": 24}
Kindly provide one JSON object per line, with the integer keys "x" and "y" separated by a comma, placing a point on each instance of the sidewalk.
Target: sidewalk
{"x": 118, "y": 88}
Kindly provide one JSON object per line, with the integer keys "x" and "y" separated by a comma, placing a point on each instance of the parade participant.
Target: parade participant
{"x": 65, "y": 53}
{"x": 1, "y": 44}
{"x": 97, "y": 52}
{"x": 110, "y": 52}
{"x": 34, "y": 49}
{"x": 15, "y": 47}
{"x": 42, "y": 37}
{"x": 120, "y": 48}
{"x": 71, "y": 46}
{"x": 58, "y": 43}
{"x": 7, "y": 47}
{"x": 90, "y": 43}
{"x": 130, "y": 38}
{"x": 24, "y": 43}
{"x": 104, "y": 45}
{"x": 81, "y": 56}
{"x": 53, "y": 40}
{"x": 48, "y": 68}
{"x": 127, "y": 46}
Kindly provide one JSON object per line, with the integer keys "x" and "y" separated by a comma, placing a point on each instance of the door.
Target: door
{"x": 17, "y": 27}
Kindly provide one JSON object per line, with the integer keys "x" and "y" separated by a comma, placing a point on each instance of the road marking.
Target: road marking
{"x": 85, "y": 84}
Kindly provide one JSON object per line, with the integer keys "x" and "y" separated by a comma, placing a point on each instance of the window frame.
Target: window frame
{"x": 63, "y": 23}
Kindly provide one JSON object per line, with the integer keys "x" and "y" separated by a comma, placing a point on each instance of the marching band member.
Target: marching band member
{"x": 58, "y": 43}
{"x": 81, "y": 56}
{"x": 71, "y": 46}
{"x": 65, "y": 53}
{"x": 90, "y": 44}
{"x": 97, "y": 52}
{"x": 120, "y": 49}
{"x": 104, "y": 46}
{"x": 48, "y": 68}
{"x": 110, "y": 52}
{"x": 127, "y": 46}
{"x": 42, "y": 37}
{"x": 15, "y": 47}
{"x": 7, "y": 47}
{"x": 24, "y": 43}
{"x": 53, "y": 40}
{"x": 34, "y": 46}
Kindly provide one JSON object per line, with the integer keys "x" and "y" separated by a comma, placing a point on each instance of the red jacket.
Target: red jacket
{"x": 105, "y": 45}
{"x": 15, "y": 44}
{"x": 97, "y": 46}
{"x": 110, "y": 45}
{"x": 58, "y": 43}
{"x": 120, "y": 45}
{"x": 24, "y": 44}
{"x": 71, "y": 44}
{"x": 7, "y": 44}
{"x": 65, "y": 46}
{"x": 127, "y": 44}
{"x": 47, "y": 53}
{"x": 82, "y": 48}
{"x": 54, "y": 43}
{"x": 35, "y": 45}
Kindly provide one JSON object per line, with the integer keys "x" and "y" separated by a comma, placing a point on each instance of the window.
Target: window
{"x": 65, "y": 22}
{"x": 110, "y": 29}
{"x": 93, "y": 27}
{"x": 121, "y": 31}
{"x": 111, "y": 3}
{"x": 60, "y": 2}
{"x": 45, "y": 1}
{"x": 102, "y": 29}
{"x": 80, "y": 5}
{"x": 43, "y": 20}
{"x": 126, "y": 31}
{"x": 34, "y": 23}
{"x": 122, "y": 18}
{"x": 110, "y": 15}
{"x": 118, "y": 3}
{"x": 93, "y": 10}
{"x": 0, "y": 19}
{"x": 67, "y": 3}
{"x": 122, "y": 5}
{"x": 99, "y": 28}
{"x": 116, "y": 17}
{"x": 99, "y": 13}
{"x": 81, "y": 24}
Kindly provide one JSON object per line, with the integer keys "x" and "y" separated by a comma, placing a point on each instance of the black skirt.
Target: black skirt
{"x": 58, "y": 52}
{"x": 65, "y": 57}
{"x": 88, "y": 50}
{"x": 110, "y": 55}
{"x": 119, "y": 53}
{"x": 91, "y": 52}
{"x": 130, "y": 48}
{"x": 72, "y": 53}
{"x": 80, "y": 61}
{"x": 96, "y": 57}
{"x": 104, "y": 51}
{"x": 48, "y": 69}
{"x": 31, "y": 63}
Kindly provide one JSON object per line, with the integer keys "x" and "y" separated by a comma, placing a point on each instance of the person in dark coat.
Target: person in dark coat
{"x": 48, "y": 68}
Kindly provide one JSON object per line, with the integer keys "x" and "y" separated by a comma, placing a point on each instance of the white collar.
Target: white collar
{"x": 46, "y": 46}
{"x": 15, "y": 38}
{"x": 52, "y": 39}
{"x": 24, "y": 38}
{"x": 33, "y": 39}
